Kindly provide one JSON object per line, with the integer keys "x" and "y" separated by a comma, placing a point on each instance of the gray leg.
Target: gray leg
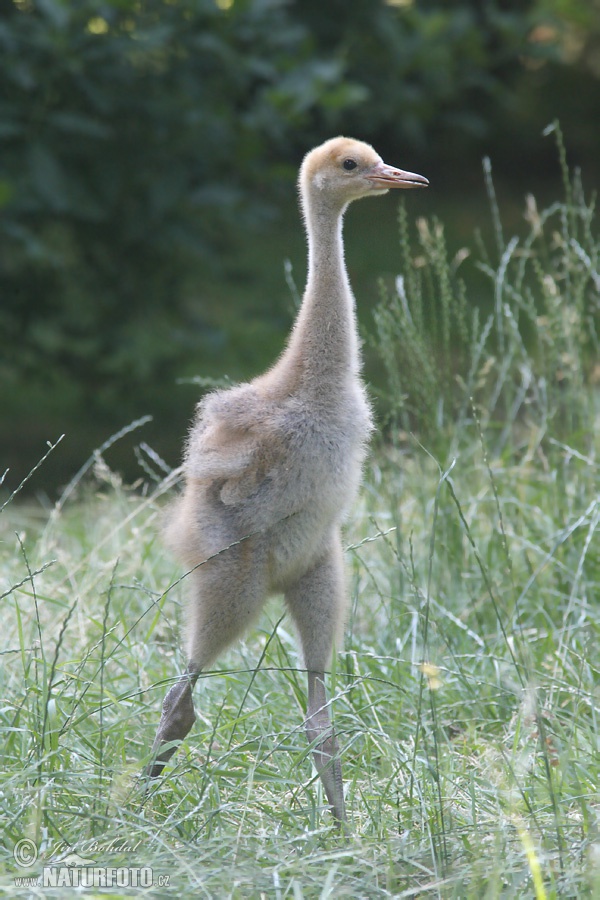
{"x": 326, "y": 752}
{"x": 317, "y": 605}
{"x": 176, "y": 720}
{"x": 227, "y": 594}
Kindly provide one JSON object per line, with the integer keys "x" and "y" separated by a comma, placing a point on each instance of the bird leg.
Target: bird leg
{"x": 326, "y": 754}
{"x": 176, "y": 720}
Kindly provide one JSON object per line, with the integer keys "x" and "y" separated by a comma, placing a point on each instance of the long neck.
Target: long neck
{"x": 323, "y": 346}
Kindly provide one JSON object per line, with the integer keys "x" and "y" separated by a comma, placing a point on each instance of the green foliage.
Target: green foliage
{"x": 526, "y": 357}
{"x": 437, "y": 66}
{"x": 133, "y": 134}
{"x": 130, "y": 134}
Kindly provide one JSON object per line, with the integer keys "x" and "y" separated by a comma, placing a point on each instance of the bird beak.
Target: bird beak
{"x": 383, "y": 176}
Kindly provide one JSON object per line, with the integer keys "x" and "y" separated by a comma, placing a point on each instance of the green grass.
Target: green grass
{"x": 488, "y": 575}
{"x": 466, "y": 693}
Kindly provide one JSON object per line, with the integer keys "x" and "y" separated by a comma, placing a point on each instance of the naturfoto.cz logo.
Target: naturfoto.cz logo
{"x": 77, "y": 871}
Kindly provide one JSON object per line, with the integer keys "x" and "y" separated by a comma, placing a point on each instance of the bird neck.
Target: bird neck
{"x": 324, "y": 341}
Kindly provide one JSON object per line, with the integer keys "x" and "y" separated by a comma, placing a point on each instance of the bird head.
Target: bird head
{"x": 346, "y": 169}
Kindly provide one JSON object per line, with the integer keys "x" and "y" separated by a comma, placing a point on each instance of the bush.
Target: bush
{"x": 136, "y": 139}
{"x": 132, "y": 134}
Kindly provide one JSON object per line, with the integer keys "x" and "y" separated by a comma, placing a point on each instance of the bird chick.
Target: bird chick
{"x": 272, "y": 467}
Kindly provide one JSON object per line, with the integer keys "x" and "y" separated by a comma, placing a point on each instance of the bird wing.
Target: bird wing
{"x": 242, "y": 442}
{"x": 254, "y": 477}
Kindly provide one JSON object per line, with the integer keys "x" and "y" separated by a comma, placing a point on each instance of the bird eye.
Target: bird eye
{"x": 349, "y": 164}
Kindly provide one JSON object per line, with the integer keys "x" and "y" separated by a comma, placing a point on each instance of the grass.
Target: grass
{"x": 465, "y": 695}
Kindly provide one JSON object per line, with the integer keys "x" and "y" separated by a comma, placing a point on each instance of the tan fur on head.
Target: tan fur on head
{"x": 332, "y": 154}
{"x": 323, "y": 168}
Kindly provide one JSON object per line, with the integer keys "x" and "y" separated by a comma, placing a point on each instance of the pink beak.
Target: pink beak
{"x": 388, "y": 177}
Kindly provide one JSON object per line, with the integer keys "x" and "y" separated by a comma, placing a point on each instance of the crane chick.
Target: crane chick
{"x": 272, "y": 466}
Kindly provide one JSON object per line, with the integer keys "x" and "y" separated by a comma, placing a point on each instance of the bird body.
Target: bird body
{"x": 272, "y": 467}
{"x": 266, "y": 471}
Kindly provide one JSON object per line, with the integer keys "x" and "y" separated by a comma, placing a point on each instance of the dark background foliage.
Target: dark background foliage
{"x": 143, "y": 143}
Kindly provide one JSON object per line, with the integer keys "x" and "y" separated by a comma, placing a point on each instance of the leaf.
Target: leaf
{"x": 76, "y": 123}
{"x": 48, "y": 177}
{"x": 56, "y": 11}
{"x": 6, "y": 192}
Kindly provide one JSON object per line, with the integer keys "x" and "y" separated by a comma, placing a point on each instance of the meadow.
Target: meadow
{"x": 466, "y": 693}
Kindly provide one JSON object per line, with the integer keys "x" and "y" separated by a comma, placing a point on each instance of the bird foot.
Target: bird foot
{"x": 176, "y": 721}
{"x": 328, "y": 765}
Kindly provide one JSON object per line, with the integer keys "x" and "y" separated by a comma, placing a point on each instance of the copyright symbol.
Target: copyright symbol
{"x": 25, "y": 853}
